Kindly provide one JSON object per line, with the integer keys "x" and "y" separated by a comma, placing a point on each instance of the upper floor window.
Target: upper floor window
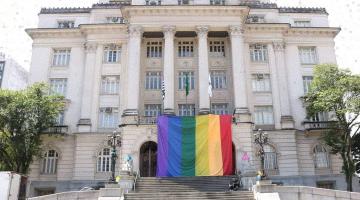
{"x": 60, "y": 118}
{"x": 186, "y": 109}
{"x": 261, "y": 83}
{"x": 110, "y": 84}
{"x": 186, "y": 78}
{"x": 153, "y": 80}
{"x": 185, "y": 48}
{"x": 115, "y": 20}
{"x": 258, "y": 53}
{"x": 220, "y": 108}
{"x": 218, "y": 79}
{"x": 321, "y": 157}
{"x": 2, "y": 69}
{"x": 66, "y": 24}
{"x": 307, "y": 83}
{"x": 255, "y": 19}
{"x": 103, "y": 163}
{"x": 108, "y": 117}
{"x": 308, "y": 55}
{"x": 49, "y": 162}
{"x": 152, "y": 109}
{"x": 112, "y": 53}
{"x": 61, "y": 57}
{"x": 217, "y": 2}
{"x": 183, "y": 2}
{"x": 217, "y": 48}
{"x": 58, "y": 86}
{"x": 270, "y": 158}
{"x": 153, "y": 2}
{"x": 320, "y": 117}
{"x": 263, "y": 115}
{"x": 302, "y": 23}
{"x": 154, "y": 49}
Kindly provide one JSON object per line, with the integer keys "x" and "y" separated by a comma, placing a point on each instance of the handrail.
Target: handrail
{"x": 136, "y": 178}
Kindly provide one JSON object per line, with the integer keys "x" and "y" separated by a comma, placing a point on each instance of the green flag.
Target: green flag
{"x": 187, "y": 84}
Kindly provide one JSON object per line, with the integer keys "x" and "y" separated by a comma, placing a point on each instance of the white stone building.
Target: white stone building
{"x": 109, "y": 62}
{"x": 12, "y": 75}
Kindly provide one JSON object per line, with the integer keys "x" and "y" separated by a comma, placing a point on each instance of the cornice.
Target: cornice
{"x": 164, "y": 10}
{"x": 35, "y": 33}
{"x": 103, "y": 28}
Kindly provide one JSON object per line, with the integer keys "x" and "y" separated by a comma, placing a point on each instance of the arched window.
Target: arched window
{"x": 321, "y": 157}
{"x": 270, "y": 158}
{"x": 104, "y": 160}
{"x": 49, "y": 162}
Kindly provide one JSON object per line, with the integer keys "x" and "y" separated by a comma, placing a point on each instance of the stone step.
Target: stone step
{"x": 241, "y": 195}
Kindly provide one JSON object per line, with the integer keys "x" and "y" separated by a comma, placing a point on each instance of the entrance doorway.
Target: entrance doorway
{"x": 148, "y": 153}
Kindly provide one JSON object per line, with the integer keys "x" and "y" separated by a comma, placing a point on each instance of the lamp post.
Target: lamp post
{"x": 114, "y": 141}
{"x": 261, "y": 139}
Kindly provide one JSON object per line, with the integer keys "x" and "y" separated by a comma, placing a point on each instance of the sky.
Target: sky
{"x": 17, "y": 15}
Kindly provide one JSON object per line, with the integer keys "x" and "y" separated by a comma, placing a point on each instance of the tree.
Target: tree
{"x": 337, "y": 91}
{"x": 24, "y": 116}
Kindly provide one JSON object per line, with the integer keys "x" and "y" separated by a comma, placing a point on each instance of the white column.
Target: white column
{"x": 133, "y": 85}
{"x": 239, "y": 72}
{"x": 169, "y": 69}
{"x": 204, "y": 100}
{"x": 84, "y": 124}
{"x": 281, "y": 70}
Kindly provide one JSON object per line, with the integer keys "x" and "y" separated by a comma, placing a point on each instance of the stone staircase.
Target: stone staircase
{"x": 186, "y": 188}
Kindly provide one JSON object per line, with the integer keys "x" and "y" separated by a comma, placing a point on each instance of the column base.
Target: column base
{"x": 204, "y": 111}
{"x": 84, "y": 125}
{"x": 130, "y": 117}
{"x": 169, "y": 111}
{"x": 242, "y": 115}
{"x": 287, "y": 122}
{"x": 130, "y": 112}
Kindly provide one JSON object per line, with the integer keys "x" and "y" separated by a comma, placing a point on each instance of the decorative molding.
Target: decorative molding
{"x": 169, "y": 31}
{"x": 135, "y": 30}
{"x": 279, "y": 46}
{"x": 236, "y": 30}
{"x": 202, "y": 31}
{"x": 90, "y": 47}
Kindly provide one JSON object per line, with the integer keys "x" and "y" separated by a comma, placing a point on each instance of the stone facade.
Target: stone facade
{"x": 12, "y": 75}
{"x": 133, "y": 29}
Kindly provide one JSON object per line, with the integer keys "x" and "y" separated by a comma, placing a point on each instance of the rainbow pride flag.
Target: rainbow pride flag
{"x": 194, "y": 146}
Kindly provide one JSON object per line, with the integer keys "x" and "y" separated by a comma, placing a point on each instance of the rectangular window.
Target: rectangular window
{"x": 110, "y": 84}
{"x": 66, "y": 24}
{"x": 152, "y": 110}
{"x": 112, "y": 53}
{"x": 2, "y": 69}
{"x": 186, "y": 109}
{"x": 320, "y": 117}
{"x": 108, "y": 117}
{"x": 217, "y": 48}
{"x": 153, "y": 80}
{"x": 115, "y": 20}
{"x": 219, "y": 108}
{"x": 258, "y": 53}
{"x": 217, "y": 2}
{"x": 182, "y": 80}
{"x": 255, "y": 19}
{"x": 307, "y": 83}
{"x": 263, "y": 115}
{"x": 261, "y": 83}
{"x": 302, "y": 23}
{"x": 154, "y": 49}
{"x": 218, "y": 79}
{"x": 183, "y": 2}
{"x": 58, "y": 86}
{"x": 60, "y": 118}
{"x": 308, "y": 55}
{"x": 186, "y": 49}
{"x": 61, "y": 57}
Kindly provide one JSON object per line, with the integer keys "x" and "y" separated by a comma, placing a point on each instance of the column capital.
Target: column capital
{"x": 90, "y": 47}
{"x": 279, "y": 46}
{"x": 202, "y": 31}
{"x": 236, "y": 30}
{"x": 135, "y": 30}
{"x": 169, "y": 29}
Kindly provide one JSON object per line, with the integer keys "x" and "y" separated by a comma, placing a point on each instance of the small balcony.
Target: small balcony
{"x": 147, "y": 120}
{"x": 318, "y": 125}
{"x": 58, "y": 129}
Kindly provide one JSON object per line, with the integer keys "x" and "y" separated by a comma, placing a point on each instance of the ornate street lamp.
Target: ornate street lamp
{"x": 261, "y": 139}
{"x": 114, "y": 141}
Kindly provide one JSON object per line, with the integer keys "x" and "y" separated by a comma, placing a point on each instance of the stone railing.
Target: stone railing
{"x": 274, "y": 192}
{"x": 75, "y": 195}
{"x": 311, "y": 125}
{"x": 59, "y": 129}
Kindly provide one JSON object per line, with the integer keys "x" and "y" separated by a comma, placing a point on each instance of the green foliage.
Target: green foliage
{"x": 24, "y": 116}
{"x": 337, "y": 91}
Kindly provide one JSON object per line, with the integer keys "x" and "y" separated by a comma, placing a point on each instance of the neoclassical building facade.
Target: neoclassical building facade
{"x": 123, "y": 62}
